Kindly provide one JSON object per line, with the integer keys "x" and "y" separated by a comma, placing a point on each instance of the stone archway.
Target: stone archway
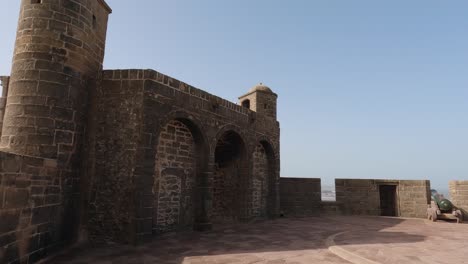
{"x": 230, "y": 179}
{"x": 181, "y": 160}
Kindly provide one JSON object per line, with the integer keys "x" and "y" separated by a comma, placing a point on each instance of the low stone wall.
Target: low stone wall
{"x": 414, "y": 196}
{"x": 33, "y": 206}
{"x": 358, "y": 196}
{"x": 362, "y": 197}
{"x": 300, "y": 196}
{"x": 331, "y": 208}
{"x": 459, "y": 195}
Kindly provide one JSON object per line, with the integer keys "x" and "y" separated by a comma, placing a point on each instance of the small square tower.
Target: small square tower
{"x": 260, "y": 99}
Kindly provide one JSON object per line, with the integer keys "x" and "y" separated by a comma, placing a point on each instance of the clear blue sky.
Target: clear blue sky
{"x": 367, "y": 89}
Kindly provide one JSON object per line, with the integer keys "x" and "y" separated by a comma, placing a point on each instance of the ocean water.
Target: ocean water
{"x": 328, "y": 193}
{"x": 445, "y": 192}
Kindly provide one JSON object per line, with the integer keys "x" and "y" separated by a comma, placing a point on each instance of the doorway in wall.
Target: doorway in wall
{"x": 388, "y": 201}
{"x": 230, "y": 180}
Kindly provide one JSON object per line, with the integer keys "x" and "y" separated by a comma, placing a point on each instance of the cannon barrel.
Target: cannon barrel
{"x": 444, "y": 204}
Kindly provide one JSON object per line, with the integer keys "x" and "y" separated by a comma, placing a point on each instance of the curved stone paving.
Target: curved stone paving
{"x": 296, "y": 241}
{"x": 411, "y": 241}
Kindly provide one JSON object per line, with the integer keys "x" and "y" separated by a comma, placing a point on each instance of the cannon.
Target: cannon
{"x": 441, "y": 208}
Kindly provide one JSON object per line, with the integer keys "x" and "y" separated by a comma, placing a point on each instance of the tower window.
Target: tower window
{"x": 94, "y": 21}
{"x": 246, "y": 103}
{"x": 36, "y": 1}
{"x": 265, "y": 106}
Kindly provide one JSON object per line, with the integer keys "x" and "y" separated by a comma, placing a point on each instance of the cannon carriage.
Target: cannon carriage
{"x": 443, "y": 209}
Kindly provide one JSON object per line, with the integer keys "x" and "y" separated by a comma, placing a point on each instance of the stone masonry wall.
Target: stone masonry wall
{"x": 358, "y": 196}
{"x": 174, "y": 178}
{"x": 361, "y": 196}
{"x": 414, "y": 196}
{"x": 88, "y": 162}
{"x": 260, "y": 181}
{"x": 33, "y": 195}
{"x": 300, "y": 196}
{"x": 225, "y": 195}
{"x": 459, "y": 195}
{"x": 266, "y": 104}
{"x": 206, "y": 115}
{"x": 331, "y": 208}
{"x": 57, "y": 59}
{"x": 58, "y": 56}
{"x": 114, "y": 134}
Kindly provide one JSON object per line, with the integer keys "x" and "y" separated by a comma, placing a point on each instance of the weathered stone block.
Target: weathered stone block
{"x": 10, "y": 164}
{"x": 16, "y": 198}
{"x": 10, "y": 220}
{"x": 41, "y": 215}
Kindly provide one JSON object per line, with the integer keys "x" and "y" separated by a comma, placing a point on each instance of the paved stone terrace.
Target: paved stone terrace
{"x": 296, "y": 241}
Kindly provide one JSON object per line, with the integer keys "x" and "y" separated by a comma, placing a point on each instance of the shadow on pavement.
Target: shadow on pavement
{"x": 282, "y": 237}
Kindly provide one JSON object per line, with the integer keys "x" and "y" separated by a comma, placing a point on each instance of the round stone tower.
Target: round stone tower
{"x": 58, "y": 56}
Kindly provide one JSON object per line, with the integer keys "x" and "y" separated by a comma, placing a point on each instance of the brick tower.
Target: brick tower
{"x": 58, "y": 56}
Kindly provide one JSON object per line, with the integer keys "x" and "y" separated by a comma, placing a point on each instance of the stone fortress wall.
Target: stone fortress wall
{"x": 88, "y": 154}
{"x": 57, "y": 58}
{"x": 195, "y": 159}
{"x": 97, "y": 155}
{"x": 459, "y": 196}
{"x": 361, "y": 196}
{"x": 302, "y": 197}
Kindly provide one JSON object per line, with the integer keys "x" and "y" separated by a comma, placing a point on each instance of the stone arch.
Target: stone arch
{"x": 196, "y": 128}
{"x": 223, "y": 130}
{"x": 182, "y": 154}
{"x": 230, "y": 184}
{"x": 265, "y": 179}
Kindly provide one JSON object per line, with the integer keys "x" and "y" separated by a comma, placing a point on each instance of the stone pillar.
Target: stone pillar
{"x": 58, "y": 56}
{"x": 204, "y": 202}
{"x": 459, "y": 196}
{"x": 246, "y": 190}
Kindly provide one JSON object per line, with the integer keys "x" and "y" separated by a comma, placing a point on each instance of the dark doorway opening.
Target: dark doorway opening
{"x": 230, "y": 181}
{"x": 388, "y": 204}
{"x": 246, "y": 103}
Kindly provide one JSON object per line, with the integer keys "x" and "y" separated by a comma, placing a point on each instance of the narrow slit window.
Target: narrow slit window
{"x": 36, "y": 1}
{"x": 94, "y": 21}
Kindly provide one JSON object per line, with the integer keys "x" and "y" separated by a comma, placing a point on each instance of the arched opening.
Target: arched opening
{"x": 264, "y": 181}
{"x": 180, "y": 161}
{"x": 230, "y": 179}
{"x": 246, "y": 103}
